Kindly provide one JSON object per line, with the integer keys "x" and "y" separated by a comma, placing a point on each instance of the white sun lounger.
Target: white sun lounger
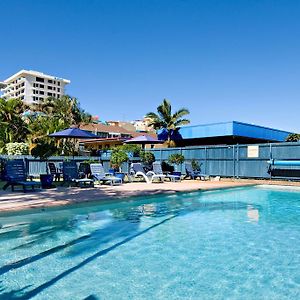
{"x": 138, "y": 171}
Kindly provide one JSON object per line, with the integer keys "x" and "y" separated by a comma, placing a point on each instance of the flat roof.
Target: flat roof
{"x": 34, "y": 73}
{"x": 233, "y": 128}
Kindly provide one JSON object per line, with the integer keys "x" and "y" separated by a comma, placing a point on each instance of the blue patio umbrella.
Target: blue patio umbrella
{"x": 73, "y": 133}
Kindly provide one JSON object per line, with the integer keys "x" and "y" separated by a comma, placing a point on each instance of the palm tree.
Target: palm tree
{"x": 13, "y": 128}
{"x": 164, "y": 118}
{"x": 293, "y": 137}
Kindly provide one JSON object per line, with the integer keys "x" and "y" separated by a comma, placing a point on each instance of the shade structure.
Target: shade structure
{"x": 74, "y": 133}
{"x": 143, "y": 140}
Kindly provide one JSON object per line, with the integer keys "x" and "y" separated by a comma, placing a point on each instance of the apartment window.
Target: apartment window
{"x": 58, "y": 89}
{"x": 41, "y": 98}
{"x": 58, "y": 82}
{"x": 50, "y": 94}
{"x": 54, "y": 82}
{"x": 54, "y": 88}
{"x": 49, "y": 87}
{"x": 42, "y": 86}
{"x": 50, "y": 81}
{"x": 41, "y": 92}
{"x": 39, "y": 79}
{"x": 35, "y": 85}
{"x": 22, "y": 91}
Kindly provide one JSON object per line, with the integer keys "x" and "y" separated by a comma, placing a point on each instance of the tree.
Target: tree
{"x": 53, "y": 115}
{"x": 164, "y": 118}
{"x": 293, "y": 137}
{"x": 13, "y": 127}
{"x": 118, "y": 156}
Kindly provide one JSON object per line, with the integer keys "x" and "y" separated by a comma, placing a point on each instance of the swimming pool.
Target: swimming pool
{"x": 240, "y": 243}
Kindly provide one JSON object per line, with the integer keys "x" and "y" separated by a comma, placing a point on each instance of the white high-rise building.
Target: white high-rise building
{"x": 33, "y": 86}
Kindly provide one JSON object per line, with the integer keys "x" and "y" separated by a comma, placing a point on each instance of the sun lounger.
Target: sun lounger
{"x": 15, "y": 174}
{"x": 70, "y": 174}
{"x": 194, "y": 174}
{"x": 99, "y": 175}
{"x": 157, "y": 169}
{"x": 56, "y": 174}
{"x": 138, "y": 171}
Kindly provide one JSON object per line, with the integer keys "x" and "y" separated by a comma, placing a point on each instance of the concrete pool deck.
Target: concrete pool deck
{"x": 15, "y": 201}
{"x": 60, "y": 196}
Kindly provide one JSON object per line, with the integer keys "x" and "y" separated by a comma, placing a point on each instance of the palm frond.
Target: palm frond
{"x": 180, "y": 113}
{"x": 181, "y": 122}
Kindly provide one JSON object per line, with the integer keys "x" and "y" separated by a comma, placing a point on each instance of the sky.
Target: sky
{"x": 222, "y": 59}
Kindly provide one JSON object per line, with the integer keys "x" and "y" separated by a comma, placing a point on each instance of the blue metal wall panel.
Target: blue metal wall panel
{"x": 259, "y": 132}
{"x": 233, "y": 161}
{"x": 233, "y": 128}
{"x": 208, "y": 130}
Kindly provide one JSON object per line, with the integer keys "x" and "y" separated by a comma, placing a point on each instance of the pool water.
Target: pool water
{"x": 240, "y": 243}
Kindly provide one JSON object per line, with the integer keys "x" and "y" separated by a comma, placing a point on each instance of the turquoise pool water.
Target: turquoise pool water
{"x": 231, "y": 244}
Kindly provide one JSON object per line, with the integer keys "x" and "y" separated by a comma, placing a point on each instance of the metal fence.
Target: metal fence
{"x": 248, "y": 161}
{"x": 35, "y": 166}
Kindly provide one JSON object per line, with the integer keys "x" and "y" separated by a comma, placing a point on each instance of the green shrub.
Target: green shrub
{"x": 195, "y": 165}
{"x": 17, "y": 148}
{"x": 147, "y": 157}
{"x": 176, "y": 158}
{"x": 43, "y": 150}
{"x": 134, "y": 149}
{"x": 118, "y": 156}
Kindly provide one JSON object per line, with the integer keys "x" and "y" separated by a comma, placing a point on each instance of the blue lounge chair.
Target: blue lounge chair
{"x": 71, "y": 174}
{"x": 194, "y": 174}
{"x": 157, "y": 169}
{"x": 15, "y": 174}
{"x": 54, "y": 171}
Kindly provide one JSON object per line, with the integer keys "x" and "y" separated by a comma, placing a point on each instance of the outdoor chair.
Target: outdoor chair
{"x": 194, "y": 174}
{"x": 54, "y": 171}
{"x": 99, "y": 175}
{"x": 15, "y": 174}
{"x": 84, "y": 170}
{"x": 71, "y": 174}
{"x": 157, "y": 169}
{"x": 137, "y": 170}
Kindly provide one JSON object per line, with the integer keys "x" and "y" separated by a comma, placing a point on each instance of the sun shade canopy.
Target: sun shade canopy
{"x": 75, "y": 133}
{"x": 144, "y": 139}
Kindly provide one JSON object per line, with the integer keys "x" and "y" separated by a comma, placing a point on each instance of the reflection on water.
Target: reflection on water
{"x": 173, "y": 238}
{"x": 253, "y": 214}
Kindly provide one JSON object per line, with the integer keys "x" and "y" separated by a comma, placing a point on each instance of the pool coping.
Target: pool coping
{"x": 62, "y": 198}
{"x": 105, "y": 199}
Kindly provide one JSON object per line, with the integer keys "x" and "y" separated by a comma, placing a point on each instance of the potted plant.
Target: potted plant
{"x": 176, "y": 159}
{"x": 195, "y": 165}
{"x": 118, "y": 157}
{"x": 43, "y": 151}
{"x": 147, "y": 158}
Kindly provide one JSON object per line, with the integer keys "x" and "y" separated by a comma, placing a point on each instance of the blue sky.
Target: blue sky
{"x": 223, "y": 60}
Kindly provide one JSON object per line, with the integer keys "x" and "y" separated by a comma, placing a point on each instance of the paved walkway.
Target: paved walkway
{"x": 63, "y": 195}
